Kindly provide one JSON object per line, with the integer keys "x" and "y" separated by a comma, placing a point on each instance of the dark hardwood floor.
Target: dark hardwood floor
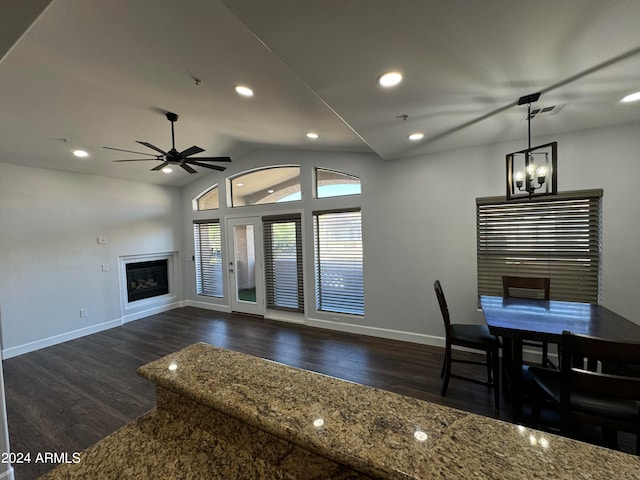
{"x": 66, "y": 397}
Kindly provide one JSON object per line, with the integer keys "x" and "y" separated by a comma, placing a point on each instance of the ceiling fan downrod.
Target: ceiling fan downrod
{"x": 172, "y": 117}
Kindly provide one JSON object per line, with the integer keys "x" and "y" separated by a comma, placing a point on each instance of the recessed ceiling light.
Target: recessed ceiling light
{"x": 244, "y": 91}
{"x": 167, "y": 169}
{"x": 270, "y": 191}
{"x": 389, "y": 79}
{"x": 81, "y": 153}
{"x": 634, "y": 97}
{"x": 414, "y": 137}
{"x": 313, "y": 135}
{"x": 239, "y": 184}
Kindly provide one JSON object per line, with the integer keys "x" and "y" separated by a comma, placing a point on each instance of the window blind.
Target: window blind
{"x": 557, "y": 237}
{"x": 339, "y": 262}
{"x": 208, "y": 258}
{"x": 283, "y": 262}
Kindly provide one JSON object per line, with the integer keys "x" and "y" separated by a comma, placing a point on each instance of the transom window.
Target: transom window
{"x": 266, "y": 185}
{"x": 208, "y": 200}
{"x": 330, "y": 183}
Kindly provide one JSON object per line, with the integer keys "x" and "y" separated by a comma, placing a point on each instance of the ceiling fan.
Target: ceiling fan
{"x": 173, "y": 156}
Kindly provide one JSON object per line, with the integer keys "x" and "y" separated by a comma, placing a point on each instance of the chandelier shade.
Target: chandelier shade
{"x": 533, "y": 171}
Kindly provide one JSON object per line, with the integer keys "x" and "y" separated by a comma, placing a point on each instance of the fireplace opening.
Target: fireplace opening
{"x": 147, "y": 279}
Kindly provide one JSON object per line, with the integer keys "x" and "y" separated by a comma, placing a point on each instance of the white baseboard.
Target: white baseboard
{"x": 378, "y": 332}
{"x": 533, "y": 356}
{"x": 56, "y": 339}
{"x": 65, "y": 337}
{"x": 432, "y": 340}
{"x": 207, "y": 306}
{"x": 151, "y": 311}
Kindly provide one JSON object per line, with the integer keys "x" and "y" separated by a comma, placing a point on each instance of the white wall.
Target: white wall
{"x": 50, "y": 261}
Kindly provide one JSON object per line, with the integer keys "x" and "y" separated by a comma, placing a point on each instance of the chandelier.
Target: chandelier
{"x": 532, "y": 172}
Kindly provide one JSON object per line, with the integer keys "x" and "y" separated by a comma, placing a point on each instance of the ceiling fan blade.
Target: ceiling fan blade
{"x": 130, "y": 151}
{"x": 160, "y": 167}
{"x": 191, "y": 151}
{"x": 211, "y": 159}
{"x": 206, "y": 165}
{"x": 188, "y": 168}
{"x": 136, "y": 160}
{"x": 152, "y": 147}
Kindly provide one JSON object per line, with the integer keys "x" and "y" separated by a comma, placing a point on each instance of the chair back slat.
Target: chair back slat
{"x": 577, "y": 348}
{"x": 598, "y": 383}
{"x": 601, "y": 349}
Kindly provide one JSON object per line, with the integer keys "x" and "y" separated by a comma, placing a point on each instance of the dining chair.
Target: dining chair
{"x": 476, "y": 337}
{"x": 529, "y": 287}
{"x": 608, "y": 397}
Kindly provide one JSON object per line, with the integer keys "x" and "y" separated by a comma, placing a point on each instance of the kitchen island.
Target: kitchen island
{"x": 226, "y": 415}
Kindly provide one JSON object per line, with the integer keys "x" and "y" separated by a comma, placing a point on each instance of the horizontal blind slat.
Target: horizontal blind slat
{"x": 208, "y": 258}
{"x": 557, "y": 238}
{"x": 283, "y": 262}
{"x": 339, "y": 262}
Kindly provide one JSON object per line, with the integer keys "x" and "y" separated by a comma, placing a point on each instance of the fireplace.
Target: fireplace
{"x": 147, "y": 279}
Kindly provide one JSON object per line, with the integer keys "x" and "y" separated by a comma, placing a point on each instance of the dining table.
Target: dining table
{"x": 518, "y": 319}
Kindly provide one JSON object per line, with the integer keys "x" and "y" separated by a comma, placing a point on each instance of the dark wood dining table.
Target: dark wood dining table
{"x": 518, "y": 319}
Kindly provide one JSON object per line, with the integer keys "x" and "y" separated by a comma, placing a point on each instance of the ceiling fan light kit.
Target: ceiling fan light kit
{"x": 173, "y": 156}
{"x": 532, "y": 171}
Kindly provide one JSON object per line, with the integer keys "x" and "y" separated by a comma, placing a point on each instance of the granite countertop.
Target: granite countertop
{"x": 378, "y": 433}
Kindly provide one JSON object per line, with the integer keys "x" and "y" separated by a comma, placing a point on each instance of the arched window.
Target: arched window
{"x": 266, "y": 185}
{"x": 207, "y": 200}
{"x": 330, "y": 183}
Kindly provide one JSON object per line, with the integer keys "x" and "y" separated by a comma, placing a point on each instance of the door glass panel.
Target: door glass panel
{"x": 245, "y": 263}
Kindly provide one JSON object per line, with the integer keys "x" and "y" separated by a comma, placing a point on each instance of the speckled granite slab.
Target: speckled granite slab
{"x": 381, "y": 434}
{"x": 161, "y": 446}
{"x": 212, "y": 401}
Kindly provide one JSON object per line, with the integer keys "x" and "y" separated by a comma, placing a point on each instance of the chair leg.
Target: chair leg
{"x": 545, "y": 354}
{"x": 610, "y": 438}
{"x": 446, "y": 368}
{"x": 495, "y": 363}
{"x": 489, "y": 367}
{"x": 536, "y": 406}
{"x": 535, "y": 411}
{"x": 506, "y": 365}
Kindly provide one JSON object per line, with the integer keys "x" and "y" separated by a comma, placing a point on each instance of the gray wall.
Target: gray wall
{"x": 50, "y": 260}
{"x": 419, "y": 225}
{"x": 418, "y": 220}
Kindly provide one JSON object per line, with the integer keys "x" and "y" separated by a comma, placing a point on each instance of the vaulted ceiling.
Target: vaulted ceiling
{"x": 89, "y": 74}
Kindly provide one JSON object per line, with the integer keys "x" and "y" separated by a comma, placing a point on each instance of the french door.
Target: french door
{"x": 246, "y": 275}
